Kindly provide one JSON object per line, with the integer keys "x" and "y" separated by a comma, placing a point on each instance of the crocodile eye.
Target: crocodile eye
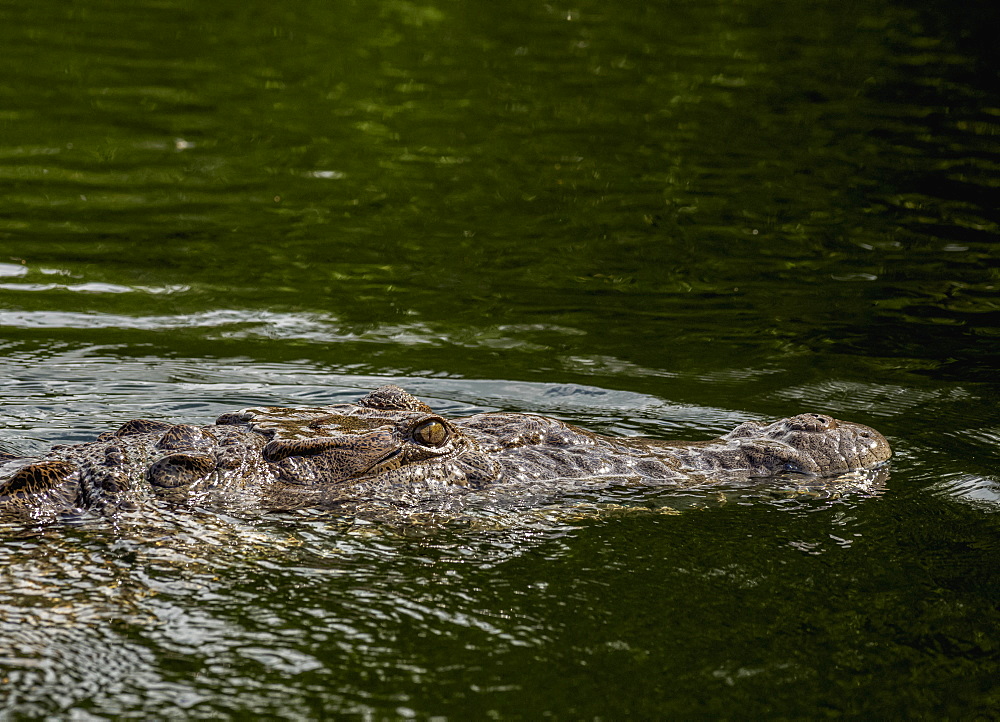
{"x": 431, "y": 433}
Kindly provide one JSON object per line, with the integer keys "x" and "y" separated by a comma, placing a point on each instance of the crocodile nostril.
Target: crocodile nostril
{"x": 811, "y": 422}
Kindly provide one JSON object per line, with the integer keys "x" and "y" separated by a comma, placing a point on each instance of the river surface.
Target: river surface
{"x": 658, "y": 219}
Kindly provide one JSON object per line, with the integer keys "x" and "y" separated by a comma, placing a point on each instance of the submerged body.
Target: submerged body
{"x": 391, "y": 448}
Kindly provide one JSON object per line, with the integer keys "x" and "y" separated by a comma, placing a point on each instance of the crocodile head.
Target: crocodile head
{"x": 390, "y": 448}
{"x": 810, "y": 444}
{"x": 391, "y": 441}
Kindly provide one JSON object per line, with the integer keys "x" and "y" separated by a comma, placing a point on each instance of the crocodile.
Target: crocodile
{"x": 390, "y": 448}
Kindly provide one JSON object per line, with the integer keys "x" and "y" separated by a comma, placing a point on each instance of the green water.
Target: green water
{"x": 660, "y": 219}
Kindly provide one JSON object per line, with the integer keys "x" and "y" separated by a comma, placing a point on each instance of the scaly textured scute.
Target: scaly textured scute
{"x": 181, "y": 436}
{"x": 41, "y": 490}
{"x": 37, "y": 478}
{"x": 393, "y": 398}
{"x": 170, "y": 472}
{"x": 136, "y": 427}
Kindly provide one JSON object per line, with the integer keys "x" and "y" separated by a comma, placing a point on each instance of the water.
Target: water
{"x": 647, "y": 219}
